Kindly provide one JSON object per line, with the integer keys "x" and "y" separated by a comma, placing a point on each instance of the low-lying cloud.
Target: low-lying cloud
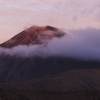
{"x": 84, "y": 44}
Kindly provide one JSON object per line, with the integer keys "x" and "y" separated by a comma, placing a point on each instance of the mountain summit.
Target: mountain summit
{"x": 33, "y": 35}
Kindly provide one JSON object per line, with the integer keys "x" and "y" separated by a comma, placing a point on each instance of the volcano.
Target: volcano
{"x": 33, "y": 35}
{"x": 51, "y": 78}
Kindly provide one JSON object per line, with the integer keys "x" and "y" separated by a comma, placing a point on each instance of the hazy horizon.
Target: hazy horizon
{"x": 16, "y": 16}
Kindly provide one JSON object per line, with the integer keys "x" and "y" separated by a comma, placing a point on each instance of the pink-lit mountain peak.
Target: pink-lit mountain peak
{"x": 33, "y": 35}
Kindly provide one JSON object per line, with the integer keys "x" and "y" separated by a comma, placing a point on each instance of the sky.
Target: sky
{"x": 17, "y": 15}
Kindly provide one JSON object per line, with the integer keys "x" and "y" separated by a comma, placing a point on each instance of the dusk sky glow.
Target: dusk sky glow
{"x": 17, "y": 15}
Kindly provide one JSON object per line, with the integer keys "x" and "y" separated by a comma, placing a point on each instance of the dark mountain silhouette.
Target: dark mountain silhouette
{"x": 16, "y": 69}
{"x": 33, "y": 35}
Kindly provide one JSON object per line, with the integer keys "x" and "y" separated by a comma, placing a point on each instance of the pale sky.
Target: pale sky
{"x": 17, "y": 15}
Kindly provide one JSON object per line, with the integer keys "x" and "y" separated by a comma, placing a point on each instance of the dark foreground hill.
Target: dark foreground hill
{"x": 16, "y": 94}
{"x": 52, "y": 78}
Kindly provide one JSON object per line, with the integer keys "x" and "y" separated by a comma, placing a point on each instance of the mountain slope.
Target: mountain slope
{"x": 76, "y": 84}
{"x": 16, "y": 69}
{"x": 33, "y": 35}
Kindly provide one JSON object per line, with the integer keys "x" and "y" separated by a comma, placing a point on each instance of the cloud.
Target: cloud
{"x": 82, "y": 44}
